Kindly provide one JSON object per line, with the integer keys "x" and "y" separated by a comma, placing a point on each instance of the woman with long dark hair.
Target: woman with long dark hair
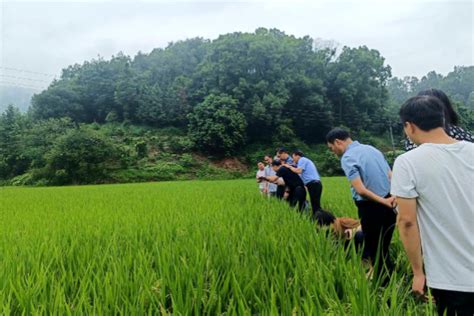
{"x": 450, "y": 116}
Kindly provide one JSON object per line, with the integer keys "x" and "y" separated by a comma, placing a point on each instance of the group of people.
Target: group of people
{"x": 428, "y": 195}
{"x": 289, "y": 177}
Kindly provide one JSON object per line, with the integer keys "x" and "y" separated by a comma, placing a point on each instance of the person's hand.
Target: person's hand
{"x": 393, "y": 201}
{"x": 389, "y": 202}
{"x": 418, "y": 286}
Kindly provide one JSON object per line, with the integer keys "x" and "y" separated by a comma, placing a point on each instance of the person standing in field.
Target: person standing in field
{"x": 451, "y": 119}
{"x": 433, "y": 184}
{"x": 262, "y": 184}
{"x": 297, "y": 192}
{"x": 369, "y": 175}
{"x": 311, "y": 179}
{"x": 284, "y": 157}
{"x": 281, "y": 191}
{"x": 272, "y": 187}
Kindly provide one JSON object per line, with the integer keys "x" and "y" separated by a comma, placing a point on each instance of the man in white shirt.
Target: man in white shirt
{"x": 434, "y": 188}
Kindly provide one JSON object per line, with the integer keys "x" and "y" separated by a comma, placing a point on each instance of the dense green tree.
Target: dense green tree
{"x": 86, "y": 93}
{"x": 431, "y": 80}
{"x": 61, "y": 99}
{"x": 80, "y": 156}
{"x": 457, "y": 85}
{"x": 357, "y": 88}
{"x": 12, "y": 159}
{"x": 283, "y": 86}
{"x": 215, "y": 125}
{"x": 399, "y": 89}
{"x": 312, "y": 117}
{"x": 260, "y": 69}
{"x": 470, "y": 101}
{"x": 150, "y": 108}
{"x": 177, "y": 103}
{"x": 280, "y": 81}
{"x": 40, "y": 136}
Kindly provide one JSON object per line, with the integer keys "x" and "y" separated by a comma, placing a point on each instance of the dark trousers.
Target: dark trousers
{"x": 378, "y": 224}
{"x": 280, "y": 191}
{"x": 453, "y": 302}
{"x": 315, "y": 189}
{"x": 297, "y": 196}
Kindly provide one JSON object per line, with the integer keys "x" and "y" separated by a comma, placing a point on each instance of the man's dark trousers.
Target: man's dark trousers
{"x": 297, "y": 196}
{"x": 453, "y": 302}
{"x": 280, "y": 191}
{"x": 378, "y": 223}
{"x": 315, "y": 189}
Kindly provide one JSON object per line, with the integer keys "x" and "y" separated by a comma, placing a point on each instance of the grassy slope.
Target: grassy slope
{"x": 203, "y": 247}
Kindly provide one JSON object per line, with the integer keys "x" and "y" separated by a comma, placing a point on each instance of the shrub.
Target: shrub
{"x": 216, "y": 126}
{"x": 141, "y": 149}
{"x": 80, "y": 156}
{"x": 24, "y": 179}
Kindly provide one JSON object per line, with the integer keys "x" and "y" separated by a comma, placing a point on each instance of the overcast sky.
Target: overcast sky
{"x": 414, "y": 36}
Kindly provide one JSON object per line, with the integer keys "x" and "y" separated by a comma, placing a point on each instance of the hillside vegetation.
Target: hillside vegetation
{"x": 183, "y": 111}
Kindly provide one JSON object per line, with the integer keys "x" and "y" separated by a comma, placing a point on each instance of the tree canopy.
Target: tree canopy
{"x": 242, "y": 94}
{"x": 277, "y": 82}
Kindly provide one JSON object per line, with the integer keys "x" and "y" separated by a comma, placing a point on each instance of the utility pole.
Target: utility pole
{"x": 391, "y": 139}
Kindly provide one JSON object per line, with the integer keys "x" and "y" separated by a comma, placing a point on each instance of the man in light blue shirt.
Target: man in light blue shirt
{"x": 369, "y": 174}
{"x": 369, "y": 165}
{"x": 284, "y": 157}
{"x": 311, "y": 179}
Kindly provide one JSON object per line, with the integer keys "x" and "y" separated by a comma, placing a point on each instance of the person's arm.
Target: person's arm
{"x": 410, "y": 236}
{"x": 294, "y": 169}
{"x": 278, "y": 174}
{"x": 360, "y": 188}
{"x": 271, "y": 178}
{"x": 351, "y": 168}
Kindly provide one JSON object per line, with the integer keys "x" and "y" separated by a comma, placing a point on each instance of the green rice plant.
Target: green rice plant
{"x": 196, "y": 247}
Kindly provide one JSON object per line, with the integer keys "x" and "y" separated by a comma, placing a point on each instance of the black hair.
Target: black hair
{"x": 276, "y": 163}
{"x": 450, "y": 116}
{"x": 323, "y": 218}
{"x": 426, "y": 112}
{"x": 282, "y": 150}
{"x": 298, "y": 153}
{"x": 337, "y": 133}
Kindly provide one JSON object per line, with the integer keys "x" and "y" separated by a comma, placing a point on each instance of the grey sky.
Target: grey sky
{"x": 414, "y": 36}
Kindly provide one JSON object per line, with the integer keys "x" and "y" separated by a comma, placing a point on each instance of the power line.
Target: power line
{"x": 28, "y": 71}
{"x": 20, "y": 85}
{"x": 24, "y": 78}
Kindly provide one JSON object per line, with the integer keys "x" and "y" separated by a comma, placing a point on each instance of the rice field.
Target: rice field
{"x": 183, "y": 248}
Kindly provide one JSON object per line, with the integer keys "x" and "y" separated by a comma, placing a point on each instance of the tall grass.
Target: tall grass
{"x": 198, "y": 247}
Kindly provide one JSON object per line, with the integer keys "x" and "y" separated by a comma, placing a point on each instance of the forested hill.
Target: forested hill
{"x": 158, "y": 115}
{"x": 239, "y": 88}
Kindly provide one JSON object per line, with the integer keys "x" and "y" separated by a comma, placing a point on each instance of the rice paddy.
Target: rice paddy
{"x": 181, "y": 248}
